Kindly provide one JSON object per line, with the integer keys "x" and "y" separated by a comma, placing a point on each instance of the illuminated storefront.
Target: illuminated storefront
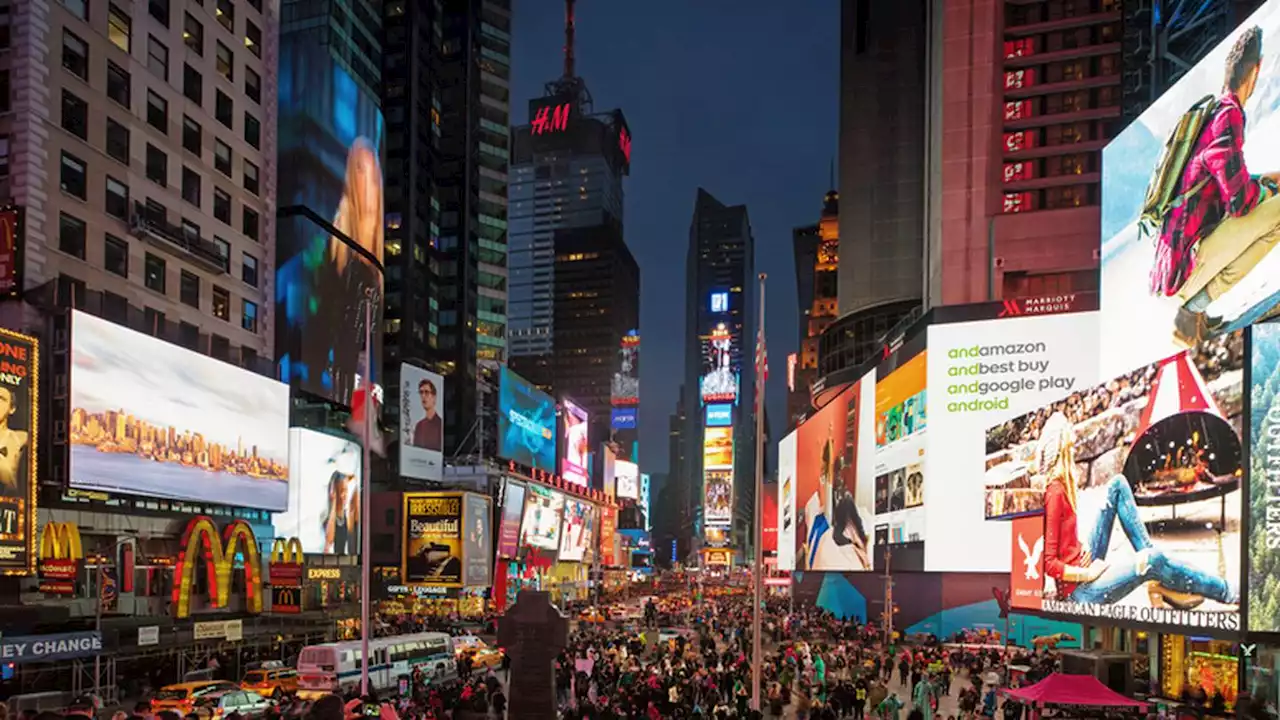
{"x": 433, "y": 601}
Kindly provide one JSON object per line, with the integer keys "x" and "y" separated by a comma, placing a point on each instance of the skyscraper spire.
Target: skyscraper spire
{"x": 568, "y": 39}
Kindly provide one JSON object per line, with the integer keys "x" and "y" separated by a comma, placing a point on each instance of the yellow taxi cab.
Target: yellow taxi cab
{"x": 269, "y": 681}
{"x": 182, "y": 697}
{"x": 486, "y": 657}
{"x": 591, "y": 615}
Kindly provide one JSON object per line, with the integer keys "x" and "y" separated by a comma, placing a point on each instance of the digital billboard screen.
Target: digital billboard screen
{"x": 512, "y": 514}
{"x": 1106, "y": 465}
{"x": 608, "y": 531}
{"x": 324, "y": 493}
{"x": 155, "y": 419}
{"x": 543, "y": 509}
{"x": 719, "y": 415}
{"x": 625, "y": 388}
{"x": 526, "y": 423}
{"x": 628, "y": 477}
{"x": 787, "y": 502}
{"x": 19, "y": 399}
{"x": 719, "y": 382}
{"x": 433, "y": 530}
{"x": 578, "y": 529}
{"x": 477, "y": 540}
{"x": 901, "y": 410}
{"x": 575, "y": 466}
{"x": 1264, "y": 480}
{"x": 624, "y": 418}
{"x": 980, "y": 374}
{"x": 769, "y": 518}
{"x": 717, "y": 497}
{"x": 421, "y": 423}
{"x": 717, "y": 448}
{"x": 330, "y": 200}
{"x": 833, "y": 489}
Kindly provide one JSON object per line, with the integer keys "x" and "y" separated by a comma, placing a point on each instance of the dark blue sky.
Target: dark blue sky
{"x": 737, "y": 96}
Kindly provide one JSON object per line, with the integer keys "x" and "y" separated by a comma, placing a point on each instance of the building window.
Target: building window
{"x": 75, "y": 115}
{"x": 250, "y": 177}
{"x": 154, "y": 320}
{"x": 221, "y": 205}
{"x": 193, "y": 35}
{"x": 224, "y": 249}
{"x": 252, "y": 86}
{"x": 252, "y": 131}
{"x": 157, "y": 165}
{"x": 118, "y": 84}
{"x": 253, "y": 38}
{"x": 221, "y": 303}
{"x": 249, "y": 316}
{"x": 117, "y": 199}
{"x": 189, "y": 335}
{"x": 225, "y": 64}
{"x": 250, "y": 223}
{"x": 119, "y": 27}
{"x": 192, "y": 84}
{"x": 115, "y": 307}
{"x": 225, "y": 12}
{"x": 222, "y": 157}
{"x": 157, "y": 112}
{"x": 159, "y": 10}
{"x": 117, "y": 141}
{"x": 191, "y": 135}
{"x": 79, "y": 8}
{"x": 190, "y": 230}
{"x": 75, "y": 55}
{"x": 157, "y": 58}
{"x": 154, "y": 273}
{"x": 71, "y": 235}
{"x": 189, "y": 289}
{"x": 72, "y": 176}
{"x": 249, "y": 270}
{"x": 191, "y": 186}
{"x": 223, "y": 108}
{"x": 115, "y": 255}
{"x": 1066, "y": 197}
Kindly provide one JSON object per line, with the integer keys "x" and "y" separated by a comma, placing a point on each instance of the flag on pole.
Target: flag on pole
{"x": 762, "y": 368}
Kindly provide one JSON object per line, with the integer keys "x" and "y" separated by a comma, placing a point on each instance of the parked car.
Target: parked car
{"x": 270, "y": 681}
{"x": 182, "y": 697}
{"x": 223, "y": 703}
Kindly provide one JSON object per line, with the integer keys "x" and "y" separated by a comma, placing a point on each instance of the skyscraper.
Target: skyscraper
{"x": 817, "y": 254}
{"x": 446, "y": 82}
{"x": 719, "y": 377}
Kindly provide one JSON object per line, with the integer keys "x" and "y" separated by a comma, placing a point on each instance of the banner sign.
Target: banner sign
{"x": 61, "y": 555}
{"x": 284, "y": 573}
{"x": 46, "y": 648}
{"x": 219, "y": 630}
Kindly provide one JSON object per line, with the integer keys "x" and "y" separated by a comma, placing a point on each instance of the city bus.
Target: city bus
{"x": 335, "y": 667}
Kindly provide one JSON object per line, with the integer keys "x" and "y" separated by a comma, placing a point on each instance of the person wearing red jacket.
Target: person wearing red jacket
{"x": 1081, "y": 570}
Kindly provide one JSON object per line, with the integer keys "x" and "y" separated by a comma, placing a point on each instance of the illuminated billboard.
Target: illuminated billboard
{"x": 624, "y": 418}
{"x": 625, "y": 388}
{"x": 717, "y": 498}
{"x": 329, "y": 229}
{"x": 719, "y": 302}
{"x": 324, "y": 493}
{"x": 719, "y": 415}
{"x": 575, "y": 466}
{"x": 421, "y": 423}
{"x": 901, "y": 421}
{"x": 646, "y": 500}
{"x": 1264, "y": 480}
{"x": 155, "y": 419}
{"x": 579, "y": 530}
{"x": 717, "y": 448}
{"x": 719, "y": 382}
{"x": 769, "y": 518}
{"x": 512, "y": 514}
{"x": 19, "y": 400}
{"x": 526, "y": 423}
{"x": 542, "y": 513}
{"x": 628, "y": 476}
{"x": 787, "y": 502}
{"x": 447, "y": 539}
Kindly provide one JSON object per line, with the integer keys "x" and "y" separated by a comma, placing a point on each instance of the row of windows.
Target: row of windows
{"x": 73, "y": 239}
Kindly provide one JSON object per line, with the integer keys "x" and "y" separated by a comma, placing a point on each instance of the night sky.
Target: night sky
{"x": 740, "y": 97}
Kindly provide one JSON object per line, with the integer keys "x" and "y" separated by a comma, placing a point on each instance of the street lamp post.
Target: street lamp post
{"x": 365, "y": 487}
{"x": 757, "y": 576}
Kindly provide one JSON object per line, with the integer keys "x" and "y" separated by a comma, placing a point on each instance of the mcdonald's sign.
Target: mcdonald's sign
{"x": 60, "y": 558}
{"x": 201, "y": 541}
{"x": 284, "y": 572}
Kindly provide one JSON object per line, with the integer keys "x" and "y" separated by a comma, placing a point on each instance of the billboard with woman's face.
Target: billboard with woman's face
{"x": 329, "y": 233}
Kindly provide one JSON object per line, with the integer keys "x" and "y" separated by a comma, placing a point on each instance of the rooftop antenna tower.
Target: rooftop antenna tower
{"x": 569, "y": 85}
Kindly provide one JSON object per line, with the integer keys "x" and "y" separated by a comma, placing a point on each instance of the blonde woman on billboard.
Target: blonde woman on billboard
{"x": 1081, "y": 569}
{"x": 342, "y": 515}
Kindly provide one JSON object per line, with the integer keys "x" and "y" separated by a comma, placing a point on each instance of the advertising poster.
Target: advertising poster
{"x": 512, "y": 513}
{"x": 719, "y": 415}
{"x": 717, "y": 500}
{"x": 152, "y": 418}
{"x": 1026, "y": 574}
{"x": 981, "y": 374}
{"x": 833, "y": 499}
{"x": 608, "y": 530}
{"x": 628, "y": 477}
{"x": 769, "y": 518}
{"x": 719, "y": 381}
{"x": 645, "y": 501}
{"x": 19, "y": 398}
{"x": 477, "y": 540}
{"x": 902, "y": 418}
{"x": 575, "y": 467}
{"x": 330, "y": 222}
{"x": 1264, "y": 480}
{"x": 787, "y": 502}
{"x": 526, "y": 423}
{"x": 607, "y": 464}
{"x": 433, "y": 547}
{"x": 543, "y": 509}
{"x": 324, "y": 494}
{"x": 575, "y": 536}
{"x": 624, "y": 418}
{"x": 625, "y": 389}
{"x": 1138, "y": 479}
{"x": 717, "y": 448}
{"x": 1173, "y": 277}
{"x": 421, "y": 423}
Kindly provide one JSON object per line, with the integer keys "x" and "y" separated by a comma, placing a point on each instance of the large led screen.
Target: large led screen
{"x": 543, "y": 509}
{"x": 787, "y": 502}
{"x": 1138, "y": 481}
{"x": 1264, "y": 480}
{"x": 901, "y": 424}
{"x": 324, "y": 494}
{"x": 477, "y": 540}
{"x": 575, "y": 466}
{"x": 628, "y": 477}
{"x": 625, "y": 389}
{"x": 421, "y": 423}
{"x": 980, "y": 374}
{"x": 526, "y": 423}
{"x": 834, "y": 495}
{"x": 719, "y": 382}
{"x": 155, "y": 419}
{"x": 769, "y": 519}
{"x": 577, "y": 533}
{"x": 330, "y": 200}
{"x": 512, "y": 513}
{"x": 19, "y": 398}
{"x": 433, "y": 545}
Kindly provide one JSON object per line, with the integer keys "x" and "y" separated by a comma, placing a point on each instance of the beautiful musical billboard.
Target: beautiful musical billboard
{"x": 421, "y": 423}
{"x": 433, "y": 531}
{"x": 19, "y": 400}
{"x": 155, "y": 419}
{"x": 324, "y": 493}
{"x": 575, "y": 466}
{"x": 526, "y": 423}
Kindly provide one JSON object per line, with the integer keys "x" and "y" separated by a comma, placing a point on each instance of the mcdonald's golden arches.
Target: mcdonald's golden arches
{"x": 60, "y": 557}
{"x": 284, "y": 572}
{"x": 219, "y": 554}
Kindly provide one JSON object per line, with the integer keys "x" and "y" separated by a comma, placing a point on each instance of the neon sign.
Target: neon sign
{"x": 219, "y": 554}
{"x": 624, "y": 143}
{"x": 719, "y": 302}
{"x": 554, "y": 118}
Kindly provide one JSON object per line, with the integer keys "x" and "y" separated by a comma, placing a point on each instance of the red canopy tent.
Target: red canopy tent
{"x": 1079, "y": 691}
